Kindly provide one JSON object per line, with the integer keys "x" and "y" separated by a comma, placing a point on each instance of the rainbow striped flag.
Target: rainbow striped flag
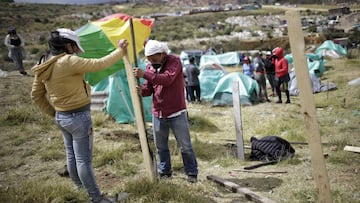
{"x": 100, "y": 37}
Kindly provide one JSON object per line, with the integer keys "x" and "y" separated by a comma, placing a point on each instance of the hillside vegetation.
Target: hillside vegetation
{"x": 32, "y": 151}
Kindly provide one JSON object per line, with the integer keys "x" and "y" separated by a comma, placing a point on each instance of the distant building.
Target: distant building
{"x": 339, "y": 11}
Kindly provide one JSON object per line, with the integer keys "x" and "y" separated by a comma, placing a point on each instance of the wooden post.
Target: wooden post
{"x": 297, "y": 45}
{"x": 237, "y": 116}
{"x": 139, "y": 118}
{"x": 250, "y": 195}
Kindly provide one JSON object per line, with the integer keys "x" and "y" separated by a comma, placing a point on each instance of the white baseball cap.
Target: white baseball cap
{"x": 71, "y": 35}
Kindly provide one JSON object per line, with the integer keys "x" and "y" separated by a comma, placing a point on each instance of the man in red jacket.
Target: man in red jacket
{"x": 164, "y": 80}
{"x": 282, "y": 74}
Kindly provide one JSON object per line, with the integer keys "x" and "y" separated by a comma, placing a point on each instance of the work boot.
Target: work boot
{"x": 287, "y": 96}
{"x": 192, "y": 178}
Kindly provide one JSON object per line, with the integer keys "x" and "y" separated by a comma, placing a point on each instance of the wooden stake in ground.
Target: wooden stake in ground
{"x": 297, "y": 45}
{"x": 237, "y": 116}
{"x": 139, "y": 117}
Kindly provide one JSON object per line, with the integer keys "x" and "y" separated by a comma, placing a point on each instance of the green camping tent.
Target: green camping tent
{"x": 248, "y": 88}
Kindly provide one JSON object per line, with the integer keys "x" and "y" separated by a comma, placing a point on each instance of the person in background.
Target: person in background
{"x": 191, "y": 74}
{"x": 59, "y": 90}
{"x": 164, "y": 80}
{"x": 15, "y": 43}
{"x": 187, "y": 87}
{"x": 248, "y": 68}
{"x": 260, "y": 77}
{"x": 282, "y": 73}
{"x": 270, "y": 71}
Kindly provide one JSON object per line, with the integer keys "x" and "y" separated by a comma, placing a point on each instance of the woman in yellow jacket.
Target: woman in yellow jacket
{"x": 59, "y": 89}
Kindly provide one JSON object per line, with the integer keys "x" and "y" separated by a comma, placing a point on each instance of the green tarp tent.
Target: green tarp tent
{"x": 316, "y": 63}
{"x": 248, "y": 88}
{"x": 209, "y": 76}
{"x": 329, "y": 48}
{"x": 119, "y": 104}
{"x": 225, "y": 59}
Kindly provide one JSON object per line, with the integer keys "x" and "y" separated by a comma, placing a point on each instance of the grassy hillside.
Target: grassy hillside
{"x": 31, "y": 147}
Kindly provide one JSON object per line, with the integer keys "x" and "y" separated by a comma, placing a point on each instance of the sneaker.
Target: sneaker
{"x": 287, "y": 101}
{"x": 279, "y": 102}
{"x": 192, "y": 178}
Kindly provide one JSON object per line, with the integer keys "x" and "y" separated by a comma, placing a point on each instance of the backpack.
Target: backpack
{"x": 270, "y": 148}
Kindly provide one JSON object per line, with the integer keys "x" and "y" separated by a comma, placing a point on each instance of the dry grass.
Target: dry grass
{"x": 32, "y": 149}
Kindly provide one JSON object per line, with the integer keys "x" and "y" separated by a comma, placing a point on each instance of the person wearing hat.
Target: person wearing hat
{"x": 15, "y": 44}
{"x": 165, "y": 82}
{"x": 270, "y": 71}
{"x": 59, "y": 90}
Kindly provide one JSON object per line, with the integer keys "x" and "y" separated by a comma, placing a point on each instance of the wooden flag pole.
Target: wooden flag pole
{"x": 139, "y": 118}
{"x": 132, "y": 33}
{"x": 297, "y": 45}
{"x": 138, "y": 108}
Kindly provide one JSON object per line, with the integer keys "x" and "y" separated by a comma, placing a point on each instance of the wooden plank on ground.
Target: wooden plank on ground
{"x": 249, "y": 171}
{"x": 236, "y": 188}
{"x": 238, "y": 124}
{"x": 297, "y": 45}
{"x": 139, "y": 118}
{"x": 352, "y": 149}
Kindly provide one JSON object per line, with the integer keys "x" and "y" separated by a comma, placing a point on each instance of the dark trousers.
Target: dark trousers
{"x": 195, "y": 91}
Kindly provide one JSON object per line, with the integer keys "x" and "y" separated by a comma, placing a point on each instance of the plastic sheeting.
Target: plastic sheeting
{"x": 186, "y": 54}
{"x": 316, "y": 63}
{"x": 316, "y": 84}
{"x": 248, "y": 88}
{"x": 119, "y": 103}
{"x": 226, "y": 59}
{"x": 329, "y": 48}
{"x": 209, "y": 76}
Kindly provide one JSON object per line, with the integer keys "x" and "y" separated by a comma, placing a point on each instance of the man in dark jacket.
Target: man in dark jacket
{"x": 191, "y": 74}
{"x": 270, "y": 71}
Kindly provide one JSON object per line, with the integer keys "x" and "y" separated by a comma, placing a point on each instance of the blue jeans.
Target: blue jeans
{"x": 180, "y": 127}
{"x": 78, "y": 140}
